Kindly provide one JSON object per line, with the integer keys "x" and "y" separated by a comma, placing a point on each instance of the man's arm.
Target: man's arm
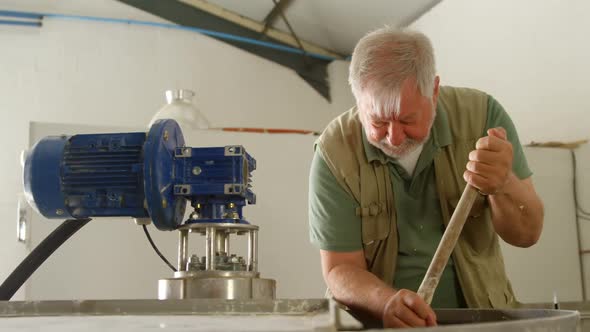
{"x": 517, "y": 210}
{"x": 349, "y": 281}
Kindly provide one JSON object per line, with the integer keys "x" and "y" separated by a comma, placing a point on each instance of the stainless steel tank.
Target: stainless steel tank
{"x": 253, "y": 315}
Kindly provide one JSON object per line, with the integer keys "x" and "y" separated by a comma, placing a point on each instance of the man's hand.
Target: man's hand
{"x": 490, "y": 164}
{"x": 406, "y": 309}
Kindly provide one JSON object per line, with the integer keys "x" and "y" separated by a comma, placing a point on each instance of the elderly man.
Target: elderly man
{"x": 388, "y": 173}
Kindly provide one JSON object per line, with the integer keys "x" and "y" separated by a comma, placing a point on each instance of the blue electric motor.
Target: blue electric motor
{"x": 139, "y": 176}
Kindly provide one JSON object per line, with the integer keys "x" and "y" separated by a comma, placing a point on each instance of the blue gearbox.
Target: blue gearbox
{"x": 140, "y": 176}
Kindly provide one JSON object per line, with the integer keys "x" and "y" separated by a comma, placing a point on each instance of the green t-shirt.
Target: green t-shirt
{"x": 334, "y": 225}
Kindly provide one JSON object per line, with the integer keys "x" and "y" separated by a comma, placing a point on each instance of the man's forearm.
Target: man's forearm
{"x": 517, "y": 212}
{"x": 358, "y": 288}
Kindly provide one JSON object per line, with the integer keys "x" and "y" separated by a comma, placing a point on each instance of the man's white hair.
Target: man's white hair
{"x": 384, "y": 59}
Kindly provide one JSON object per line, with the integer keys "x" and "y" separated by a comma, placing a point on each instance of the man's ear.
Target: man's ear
{"x": 436, "y": 89}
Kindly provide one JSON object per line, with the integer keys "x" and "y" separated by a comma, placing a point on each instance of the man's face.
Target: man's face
{"x": 401, "y": 132}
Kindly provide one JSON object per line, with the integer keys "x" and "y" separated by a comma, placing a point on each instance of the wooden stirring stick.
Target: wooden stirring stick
{"x": 447, "y": 244}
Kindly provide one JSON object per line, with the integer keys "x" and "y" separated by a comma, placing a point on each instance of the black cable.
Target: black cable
{"x": 156, "y": 248}
{"x": 578, "y": 206}
{"x": 43, "y": 250}
{"x": 579, "y": 217}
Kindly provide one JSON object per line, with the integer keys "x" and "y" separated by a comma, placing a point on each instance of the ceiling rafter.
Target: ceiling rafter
{"x": 257, "y": 26}
{"x": 274, "y": 13}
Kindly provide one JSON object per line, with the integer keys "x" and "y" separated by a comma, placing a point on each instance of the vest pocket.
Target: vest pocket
{"x": 478, "y": 230}
{"x": 373, "y": 224}
{"x": 374, "y": 229}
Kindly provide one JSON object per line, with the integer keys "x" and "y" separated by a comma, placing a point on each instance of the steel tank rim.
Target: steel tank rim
{"x": 516, "y": 320}
{"x": 554, "y": 320}
{"x": 171, "y": 307}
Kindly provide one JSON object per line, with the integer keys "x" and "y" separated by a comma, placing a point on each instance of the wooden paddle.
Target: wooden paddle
{"x": 447, "y": 244}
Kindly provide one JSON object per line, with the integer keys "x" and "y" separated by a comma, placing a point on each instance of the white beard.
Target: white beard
{"x": 408, "y": 146}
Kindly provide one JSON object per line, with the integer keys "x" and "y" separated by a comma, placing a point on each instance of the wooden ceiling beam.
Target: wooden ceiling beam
{"x": 259, "y": 27}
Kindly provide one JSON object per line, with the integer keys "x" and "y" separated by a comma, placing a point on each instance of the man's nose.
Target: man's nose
{"x": 395, "y": 134}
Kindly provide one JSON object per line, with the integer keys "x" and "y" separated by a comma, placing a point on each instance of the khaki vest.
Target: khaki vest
{"x": 477, "y": 256}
